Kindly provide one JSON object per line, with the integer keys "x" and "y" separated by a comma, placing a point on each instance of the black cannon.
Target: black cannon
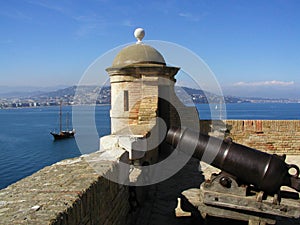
{"x": 264, "y": 171}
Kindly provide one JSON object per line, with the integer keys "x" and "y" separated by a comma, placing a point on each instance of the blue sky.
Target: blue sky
{"x": 253, "y": 47}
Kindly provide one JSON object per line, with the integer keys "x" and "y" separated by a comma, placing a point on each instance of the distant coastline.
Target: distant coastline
{"x": 91, "y": 95}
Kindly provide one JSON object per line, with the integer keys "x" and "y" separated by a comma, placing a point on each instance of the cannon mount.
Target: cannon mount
{"x": 222, "y": 196}
{"x": 249, "y": 186}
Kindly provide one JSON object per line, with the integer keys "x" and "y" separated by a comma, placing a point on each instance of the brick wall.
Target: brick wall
{"x": 273, "y": 136}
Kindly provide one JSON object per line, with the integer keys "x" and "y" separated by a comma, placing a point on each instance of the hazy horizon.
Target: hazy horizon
{"x": 227, "y": 91}
{"x": 252, "y": 47}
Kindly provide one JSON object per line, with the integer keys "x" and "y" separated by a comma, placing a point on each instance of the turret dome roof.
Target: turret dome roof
{"x": 138, "y": 54}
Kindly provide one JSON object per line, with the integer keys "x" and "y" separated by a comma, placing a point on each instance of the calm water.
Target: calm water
{"x": 26, "y": 145}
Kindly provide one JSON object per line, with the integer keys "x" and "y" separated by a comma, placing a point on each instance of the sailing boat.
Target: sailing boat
{"x": 63, "y": 134}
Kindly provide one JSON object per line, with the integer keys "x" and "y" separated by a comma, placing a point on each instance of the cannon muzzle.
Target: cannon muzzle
{"x": 264, "y": 171}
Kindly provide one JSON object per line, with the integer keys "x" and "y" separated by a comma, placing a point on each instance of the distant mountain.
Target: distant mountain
{"x": 90, "y": 94}
{"x": 19, "y": 94}
{"x": 101, "y": 95}
{"x": 26, "y": 91}
{"x": 78, "y": 95}
{"x": 81, "y": 95}
{"x": 69, "y": 91}
{"x": 199, "y": 96}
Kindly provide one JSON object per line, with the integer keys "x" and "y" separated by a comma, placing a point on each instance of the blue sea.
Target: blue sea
{"x": 27, "y": 146}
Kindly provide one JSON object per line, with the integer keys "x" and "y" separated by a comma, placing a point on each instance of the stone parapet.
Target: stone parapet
{"x": 272, "y": 136}
{"x": 68, "y": 192}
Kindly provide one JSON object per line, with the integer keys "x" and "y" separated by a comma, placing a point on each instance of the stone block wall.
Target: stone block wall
{"x": 68, "y": 192}
{"x": 272, "y": 136}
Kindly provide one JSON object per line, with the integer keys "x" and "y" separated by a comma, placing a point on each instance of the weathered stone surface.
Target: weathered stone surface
{"x": 272, "y": 136}
{"x": 68, "y": 192}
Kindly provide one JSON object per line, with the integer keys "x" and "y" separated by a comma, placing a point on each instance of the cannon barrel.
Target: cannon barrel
{"x": 264, "y": 171}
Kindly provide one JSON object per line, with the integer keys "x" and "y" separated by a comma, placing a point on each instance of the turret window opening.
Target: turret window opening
{"x": 126, "y": 101}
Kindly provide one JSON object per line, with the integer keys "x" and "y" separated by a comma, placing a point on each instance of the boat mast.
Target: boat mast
{"x": 67, "y": 122}
{"x": 60, "y": 117}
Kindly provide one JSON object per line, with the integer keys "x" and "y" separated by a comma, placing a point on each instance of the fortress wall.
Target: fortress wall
{"x": 72, "y": 192}
{"x": 68, "y": 192}
{"x": 272, "y": 136}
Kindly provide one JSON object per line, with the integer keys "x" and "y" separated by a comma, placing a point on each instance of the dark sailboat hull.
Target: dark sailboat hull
{"x": 63, "y": 135}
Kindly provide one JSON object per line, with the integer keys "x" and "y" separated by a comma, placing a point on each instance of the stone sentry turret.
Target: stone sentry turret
{"x": 139, "y": 76}
{"x": 135, "y": 76}
{"x": 136, "y": 73}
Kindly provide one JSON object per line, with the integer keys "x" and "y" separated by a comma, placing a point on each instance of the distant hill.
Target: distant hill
{"x": 26, "y": 91}
{"x": 69, "y": 91}
{"x": 80, "y": 95}
{"x": 90, "y": 94}
{"x": 20, "y": 94}
{"x": 199, "y": 96}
